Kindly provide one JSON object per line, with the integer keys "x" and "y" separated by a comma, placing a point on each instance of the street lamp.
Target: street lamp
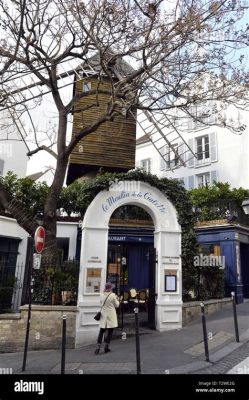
{"x": 245, "y": 206}
{"x": 39, "y": 218}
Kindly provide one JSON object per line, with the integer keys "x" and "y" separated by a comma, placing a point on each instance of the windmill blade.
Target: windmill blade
{"x": 165, "y": 138}
{"x": 27, "y": 87}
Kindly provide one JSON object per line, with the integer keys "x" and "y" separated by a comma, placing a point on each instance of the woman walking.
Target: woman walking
{"x": 108, "y": 320}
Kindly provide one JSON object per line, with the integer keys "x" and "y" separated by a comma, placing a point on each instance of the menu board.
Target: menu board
{"x": 170, "y": 281}
{"x": 93, "y": 280}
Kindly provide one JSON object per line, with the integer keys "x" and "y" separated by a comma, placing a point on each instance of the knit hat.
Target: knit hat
{"x": 108, "y": 286}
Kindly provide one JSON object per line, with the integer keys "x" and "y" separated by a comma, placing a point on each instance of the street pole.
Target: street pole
{"x": 63, "y": 345}
{"x": 39, "y": 241}
{"x": 28, "y": 320}
{"x": 137, "y": 341}
{"x": 236, "y": 328}
{"x": 204, "y": 327}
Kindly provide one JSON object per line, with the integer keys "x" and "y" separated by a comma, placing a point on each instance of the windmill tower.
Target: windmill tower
{"x": 111, "y": 147}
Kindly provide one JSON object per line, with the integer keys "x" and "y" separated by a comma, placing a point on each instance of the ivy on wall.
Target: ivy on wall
{"x": 175, "y": 192}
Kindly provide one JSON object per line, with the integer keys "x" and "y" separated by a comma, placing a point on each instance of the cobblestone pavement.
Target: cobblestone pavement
{"x": 228, "y": 362}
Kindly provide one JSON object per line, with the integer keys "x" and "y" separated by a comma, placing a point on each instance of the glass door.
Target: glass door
{"x": 117, "y": 267}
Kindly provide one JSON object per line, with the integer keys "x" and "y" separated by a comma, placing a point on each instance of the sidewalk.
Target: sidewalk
{"x": 174, "y": 352}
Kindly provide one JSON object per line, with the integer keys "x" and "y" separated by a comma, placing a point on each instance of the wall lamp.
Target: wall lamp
{"x": 245, "y": 206}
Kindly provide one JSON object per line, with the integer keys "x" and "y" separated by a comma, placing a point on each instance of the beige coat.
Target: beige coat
{"x": 108, "y": 313}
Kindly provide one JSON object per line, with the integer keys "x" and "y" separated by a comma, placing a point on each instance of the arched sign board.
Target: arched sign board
{"x": 93, "y": 264}
{"x": 39, "y": 239}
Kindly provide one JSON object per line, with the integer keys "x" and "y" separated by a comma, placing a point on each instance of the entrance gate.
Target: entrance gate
{"x": 165, "y": 294}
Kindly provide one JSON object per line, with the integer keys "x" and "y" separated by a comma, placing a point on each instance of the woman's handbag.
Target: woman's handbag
{"x": 98, "y": 315}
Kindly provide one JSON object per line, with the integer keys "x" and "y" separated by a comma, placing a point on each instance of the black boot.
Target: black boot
{"x": 97, "y": 350}
{"x": 106, "y": 349}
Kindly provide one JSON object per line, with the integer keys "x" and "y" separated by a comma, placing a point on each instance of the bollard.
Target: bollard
{"x": 63, "y": 345}
{"x": 203, "y": 317}
{"x": 137, "y": 342}
{"x": 235, "y": 317}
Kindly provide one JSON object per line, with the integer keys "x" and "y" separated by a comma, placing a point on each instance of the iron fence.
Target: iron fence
{"x": 11, "y": 286}
{"x": 230, "y": 210}
{"x": 56, "y": 283}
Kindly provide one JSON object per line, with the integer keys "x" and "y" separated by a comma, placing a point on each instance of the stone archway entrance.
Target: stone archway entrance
{"x": 93, "y": 264}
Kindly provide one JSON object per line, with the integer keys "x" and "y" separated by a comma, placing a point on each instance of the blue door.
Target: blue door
{"x": 138, "y": 266}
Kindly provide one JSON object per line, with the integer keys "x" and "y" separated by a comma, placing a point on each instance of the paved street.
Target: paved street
{"x": 172, "y": 352}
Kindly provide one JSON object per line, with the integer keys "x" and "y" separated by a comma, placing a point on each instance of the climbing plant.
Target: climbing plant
{"x": 174, "y": 191}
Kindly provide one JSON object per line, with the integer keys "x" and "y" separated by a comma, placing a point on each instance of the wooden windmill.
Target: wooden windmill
{"x": 112, "y": 146}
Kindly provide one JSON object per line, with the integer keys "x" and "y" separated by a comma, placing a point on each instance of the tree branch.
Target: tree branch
{"x": 40, "y": 148}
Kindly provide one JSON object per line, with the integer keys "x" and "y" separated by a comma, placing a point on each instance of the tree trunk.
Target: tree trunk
{"x": 51, "y": 202}
{"x": 50, "y": 208}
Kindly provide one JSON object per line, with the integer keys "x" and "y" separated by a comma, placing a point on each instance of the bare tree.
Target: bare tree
{"x": 182, "y": 53}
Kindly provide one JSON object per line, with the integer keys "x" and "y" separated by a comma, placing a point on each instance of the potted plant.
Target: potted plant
{"x": 70, "y": 283}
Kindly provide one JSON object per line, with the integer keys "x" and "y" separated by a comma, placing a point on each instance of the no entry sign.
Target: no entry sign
{"x": 39, "y": 239}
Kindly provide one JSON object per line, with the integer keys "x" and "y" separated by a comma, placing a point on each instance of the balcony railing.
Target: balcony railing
{"x": 226, "y": 211}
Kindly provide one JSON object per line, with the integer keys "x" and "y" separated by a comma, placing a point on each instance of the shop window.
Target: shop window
{"x": 210, "y": 249}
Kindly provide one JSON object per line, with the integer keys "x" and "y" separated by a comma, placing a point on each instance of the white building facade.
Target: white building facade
{"x": 13, "y": 150}
{"x": 220, "y": 155}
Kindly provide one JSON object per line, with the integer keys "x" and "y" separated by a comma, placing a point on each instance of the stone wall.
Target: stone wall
{"x": 192, "y": 310}
{"x": 45, "y": 328}
{"x": 46, "y": 325}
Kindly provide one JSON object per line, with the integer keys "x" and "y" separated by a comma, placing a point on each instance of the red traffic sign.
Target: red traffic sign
{"x": 39, "y": 239}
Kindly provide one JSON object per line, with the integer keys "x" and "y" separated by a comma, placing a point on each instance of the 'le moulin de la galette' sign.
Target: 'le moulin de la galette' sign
{"x": 147, "y": 196}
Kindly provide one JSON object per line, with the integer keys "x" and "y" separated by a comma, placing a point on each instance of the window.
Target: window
{"x": 201, "y": 115}
{"x": 146, "y": 165}
{"x": 172, "y": 157}
{"x": 181, "y": 180}
{"x": 202, "y": 149}
{"x": 86, "y": 86}
{"x": 203, "y": 180}
{"x": 210, "y": 249}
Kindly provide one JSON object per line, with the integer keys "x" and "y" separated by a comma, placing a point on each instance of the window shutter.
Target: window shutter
{"x": 149, "y": 165}
{"x": 1, "y": 166}
{"x": 163, "y": 151}
{"x": 191, "y": 159}
{"x": 191, "y": 182}
{"x": 213, "y": 147}
{"x": 214, "y": 176}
